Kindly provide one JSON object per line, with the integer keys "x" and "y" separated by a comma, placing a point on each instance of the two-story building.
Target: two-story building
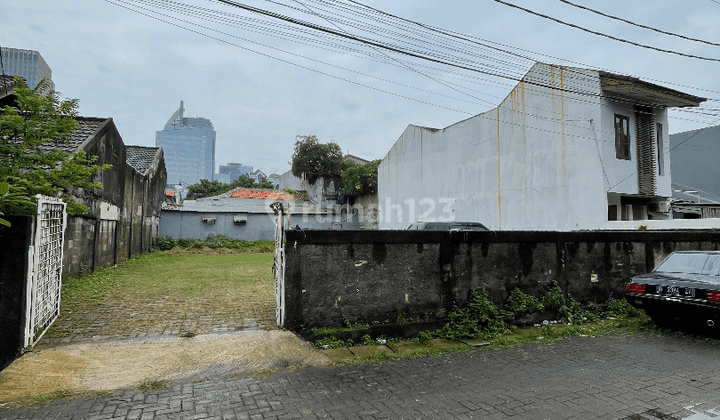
{"x": 568, "y": 149}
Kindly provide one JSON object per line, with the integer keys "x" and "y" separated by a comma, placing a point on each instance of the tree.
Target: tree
{"x": 361, "y": 179}
{"x": 206, "y": 188}
{"x": 31, "y": 158}
{"x": 316, "y": 160}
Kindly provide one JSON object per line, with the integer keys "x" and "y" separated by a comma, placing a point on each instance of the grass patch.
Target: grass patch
{"x": 162, "y": 273}
{"x": 53, "y": 396}
{"x": 153, "y": 386}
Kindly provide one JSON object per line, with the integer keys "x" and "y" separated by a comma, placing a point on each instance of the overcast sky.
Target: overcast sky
{"x": 137, "y": 69}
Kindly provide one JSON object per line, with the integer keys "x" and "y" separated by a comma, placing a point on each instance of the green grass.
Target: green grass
{"x": 166, "y": 273}
{"x": 153, "y": 386}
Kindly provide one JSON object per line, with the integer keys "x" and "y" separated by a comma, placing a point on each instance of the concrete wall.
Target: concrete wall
{"x": 14, "y": 244}
{"x": 367, "y": 209}
{"x": 259, "y": 226}
{"x": 365, "y": 276}
{"x": 544, "y": 159}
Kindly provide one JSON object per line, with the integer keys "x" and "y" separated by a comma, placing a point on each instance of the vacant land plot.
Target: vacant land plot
{"x": 150, "y": 321}
{"x": 167, "y": 293}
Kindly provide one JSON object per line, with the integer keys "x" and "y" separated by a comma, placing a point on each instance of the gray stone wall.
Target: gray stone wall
{"x": 364, "y": 276}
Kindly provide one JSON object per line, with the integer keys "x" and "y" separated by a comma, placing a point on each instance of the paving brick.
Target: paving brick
{"x": 577, "y": 378}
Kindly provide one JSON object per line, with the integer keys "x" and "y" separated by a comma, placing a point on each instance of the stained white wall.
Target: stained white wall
{"x": 542, "y": 160}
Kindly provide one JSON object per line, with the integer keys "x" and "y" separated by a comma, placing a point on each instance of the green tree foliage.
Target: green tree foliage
{"x": 361, "y": 179}
{"x": 316, "y": 160}
{"x": 207, "y": 188}
{"x": 31, "y": 160}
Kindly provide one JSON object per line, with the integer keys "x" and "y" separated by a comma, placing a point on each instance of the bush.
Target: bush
{"x": 519, "y": 304}
{"x": 219, "y": 241}
{"x": 479, "y": 319}
{"x": 621, "y": 309}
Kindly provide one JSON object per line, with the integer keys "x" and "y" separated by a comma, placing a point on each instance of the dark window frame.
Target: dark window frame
{"x": 622, "y": 137}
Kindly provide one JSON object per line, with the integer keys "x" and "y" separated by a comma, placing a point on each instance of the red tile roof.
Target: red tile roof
{"x": 261, "y": 194}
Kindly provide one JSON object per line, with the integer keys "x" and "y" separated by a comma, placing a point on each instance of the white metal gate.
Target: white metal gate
{"x": 45, "y": 271}
{"x": 279, "y": 263}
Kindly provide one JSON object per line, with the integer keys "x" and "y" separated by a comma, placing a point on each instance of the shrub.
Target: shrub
{"x": 479, "y": 319}
{"x": 519, "y": 304}
{"x": 213, "y": 242}
{"x": 620, "y": 309}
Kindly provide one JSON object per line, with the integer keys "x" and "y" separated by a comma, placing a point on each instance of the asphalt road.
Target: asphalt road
{"x": 631, "y": 377}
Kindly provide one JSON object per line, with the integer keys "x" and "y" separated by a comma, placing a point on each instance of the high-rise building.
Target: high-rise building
{"x": 232, "y": 171}
{"x": 28, "y": 64}
{"x": 189, "y": 148}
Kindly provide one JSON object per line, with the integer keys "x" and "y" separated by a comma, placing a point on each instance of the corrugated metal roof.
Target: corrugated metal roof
{"x": 141, "y": 158}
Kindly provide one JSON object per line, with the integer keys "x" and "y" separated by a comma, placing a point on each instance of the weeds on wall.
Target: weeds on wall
{"x": 481, "y": 319}
{"x": 217, "y": 241}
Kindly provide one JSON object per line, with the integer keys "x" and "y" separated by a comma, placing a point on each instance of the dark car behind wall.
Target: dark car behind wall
{"x": 686, "y": 285}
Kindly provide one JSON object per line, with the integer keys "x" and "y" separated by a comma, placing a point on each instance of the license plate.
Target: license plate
{"x": 675, "y": 291}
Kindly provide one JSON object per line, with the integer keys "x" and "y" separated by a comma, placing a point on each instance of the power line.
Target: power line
{"x": 280, "y": 59}
{"x": 629, "y": 22}
{"x": 525, "y": 79}
{"x": 614, "y": 38}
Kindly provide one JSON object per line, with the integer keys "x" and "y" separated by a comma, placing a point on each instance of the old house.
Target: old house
{"x": 124, "y": 216}
{"x": 568, "y": 149}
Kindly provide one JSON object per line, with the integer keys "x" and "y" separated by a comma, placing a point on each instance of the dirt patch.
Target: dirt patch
{"x": 107, "y": 366}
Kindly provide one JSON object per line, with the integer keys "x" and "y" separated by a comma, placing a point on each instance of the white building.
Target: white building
{"x": 258, "y": 176}
{"x": 568, "y": 149}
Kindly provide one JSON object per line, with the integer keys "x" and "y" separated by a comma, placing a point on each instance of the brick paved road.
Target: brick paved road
{"x": 636, "y": 377}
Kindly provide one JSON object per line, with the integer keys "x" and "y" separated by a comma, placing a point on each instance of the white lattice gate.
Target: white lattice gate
{"x": 45, "y": 271}
{"x": 279, "y": 263}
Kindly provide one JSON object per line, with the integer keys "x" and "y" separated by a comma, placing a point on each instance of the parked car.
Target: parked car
{"x": 686, "y": 284}
{"x": 448, "y": 226}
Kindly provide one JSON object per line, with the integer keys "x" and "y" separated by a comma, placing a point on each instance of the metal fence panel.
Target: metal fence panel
{"x": 45, "y": 277}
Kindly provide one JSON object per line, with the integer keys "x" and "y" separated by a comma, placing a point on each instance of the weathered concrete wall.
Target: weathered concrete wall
{"x": 259, "y": 226}
{"x": 367, "y": 207}
{"x": 14, "y": 244}
{"x": 365, "y": 276}
{"x": 78, "y": 255}
{"x": 544, "y": 159}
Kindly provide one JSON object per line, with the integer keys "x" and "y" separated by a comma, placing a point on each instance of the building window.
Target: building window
{"x": 622, "y": 137}
{"x": 612, "y": 212}
{"x": 660, "y": 150}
